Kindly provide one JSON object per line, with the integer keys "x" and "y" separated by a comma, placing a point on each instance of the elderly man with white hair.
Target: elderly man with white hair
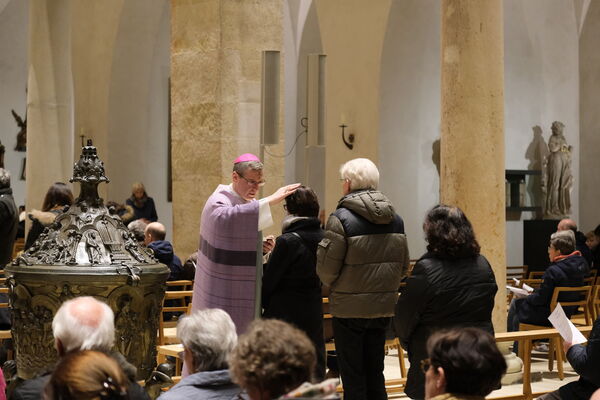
{"x": 82, "y": 323}
{"x": 362, "y": 258}
{"x": 208, "y": 337}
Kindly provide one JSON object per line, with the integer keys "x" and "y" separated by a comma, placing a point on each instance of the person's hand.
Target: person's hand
{"x": 268, "y": 244}
{"x": 567, "y": 346}
{"x": 282, "y": 193}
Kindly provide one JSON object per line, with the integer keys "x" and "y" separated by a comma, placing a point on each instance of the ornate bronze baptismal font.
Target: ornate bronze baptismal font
{"x": 86, "y": 252}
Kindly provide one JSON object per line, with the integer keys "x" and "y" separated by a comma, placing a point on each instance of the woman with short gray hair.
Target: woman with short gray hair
{"x": 208, "y": 336}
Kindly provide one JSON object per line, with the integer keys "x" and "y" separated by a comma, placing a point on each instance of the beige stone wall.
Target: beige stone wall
{"x": 49, "y": 138}
{"x": 94, "y": 31}
{"x": 352, "y": 34}
{"x": 216, "y": 53}
{"x": 472, "y": 144}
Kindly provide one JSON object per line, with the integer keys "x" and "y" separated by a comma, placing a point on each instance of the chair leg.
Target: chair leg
{"x": 559, "y": 358}
{"x": 551, "y": 349}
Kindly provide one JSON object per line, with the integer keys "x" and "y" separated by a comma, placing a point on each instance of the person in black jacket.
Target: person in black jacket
{"x": 452, "y": 285}
{"x": 9, "y": 219}
{"x": 568, "y": 268}
{"x": 57, "y": 197}
{"x": 291, "y": 289}
{"x": 585, "y": 361}
{"x": 142, "y": 204}
{"x": 580, "y": 239}
{"x": 154, "y": 238}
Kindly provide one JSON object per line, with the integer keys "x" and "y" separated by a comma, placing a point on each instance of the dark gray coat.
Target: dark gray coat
{"x": 209, "y": 385}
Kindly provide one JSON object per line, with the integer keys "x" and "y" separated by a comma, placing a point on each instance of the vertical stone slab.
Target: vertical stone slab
{"x": 352, "y": 34}
{"x": 216, "y": 53}
{"x": 49, "y": 99}
{"x": 472, "y": 144}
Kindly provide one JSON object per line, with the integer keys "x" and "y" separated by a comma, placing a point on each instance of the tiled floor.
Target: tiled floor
{"x": 549, "y": 380}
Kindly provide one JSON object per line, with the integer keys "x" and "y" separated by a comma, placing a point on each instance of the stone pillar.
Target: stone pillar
{"x": 472, "y": 124}
{"x": 49, "y": 99}
{"x": 216, "y": 55}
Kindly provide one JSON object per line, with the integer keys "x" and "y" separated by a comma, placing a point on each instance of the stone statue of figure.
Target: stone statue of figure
{"x": 557, "y": 180}
{"x": 22, "y": 135}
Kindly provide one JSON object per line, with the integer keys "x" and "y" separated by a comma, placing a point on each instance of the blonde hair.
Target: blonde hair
{"x": 362, "y": 173}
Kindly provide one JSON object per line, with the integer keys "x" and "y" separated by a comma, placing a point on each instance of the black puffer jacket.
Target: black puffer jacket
{"x": 363, "y": 257}
{"x": 535, "y": 308}
{"x": 291, "y": 289}
{"x": 441, "y": 294}
{"x": 9, "y": 221}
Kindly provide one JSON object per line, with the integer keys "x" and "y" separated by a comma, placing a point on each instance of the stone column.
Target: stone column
{"x": 49, "y": 99}
{"x": 472, "y": 124}
{"x": 216, "y": 53}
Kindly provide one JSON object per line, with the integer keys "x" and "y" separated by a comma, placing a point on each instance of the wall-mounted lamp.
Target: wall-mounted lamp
{"x": 350, "y": 142}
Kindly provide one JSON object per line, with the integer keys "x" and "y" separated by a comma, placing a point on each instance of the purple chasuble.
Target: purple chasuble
{"x": 226, "y": 270}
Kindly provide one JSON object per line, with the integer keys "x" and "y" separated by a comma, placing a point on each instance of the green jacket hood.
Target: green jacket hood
{"x": 369, "y": 204}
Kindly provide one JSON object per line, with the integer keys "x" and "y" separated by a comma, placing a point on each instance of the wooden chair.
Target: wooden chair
{"x": 555, "y": 346}
{"x": 594, "y": 273}
{"x": 167, "y": 332}
{"x": 595, "y": 302}
{"x": 515, "y": 271}
{"x": 534, "y": 283}
{"x": 536, "y": 274}
{"x": 5, "y": 334}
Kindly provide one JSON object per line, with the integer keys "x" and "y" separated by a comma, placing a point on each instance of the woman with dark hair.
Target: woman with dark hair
{"x": 291, "y": 289}
{"x": 57, "y": 198}
{"x": 87, "y": 375}
{"x": 142, "y": 204}
{"x": 452, "y": 285}
{"x": 463, "y": 364}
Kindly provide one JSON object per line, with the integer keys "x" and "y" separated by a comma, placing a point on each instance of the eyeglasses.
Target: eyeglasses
{"x": 425, "y": 364}
{"x": 253, "y": 182}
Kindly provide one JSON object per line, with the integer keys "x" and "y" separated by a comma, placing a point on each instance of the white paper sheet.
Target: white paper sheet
{"x": 518, "y": 291}
{"x": 565, "y": 327}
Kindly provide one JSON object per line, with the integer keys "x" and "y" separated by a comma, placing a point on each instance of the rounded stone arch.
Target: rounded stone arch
{"x": 410, "y": 113}
{"x": 589, "y": 119}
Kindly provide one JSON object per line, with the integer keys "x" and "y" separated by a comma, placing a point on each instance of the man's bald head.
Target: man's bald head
{"x": 83, "y": 323}
{"x": 153, "y": 232}
{"x": 567, "y": 225}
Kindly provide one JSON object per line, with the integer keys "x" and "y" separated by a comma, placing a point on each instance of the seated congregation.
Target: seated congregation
{"x": 357, "y": 265}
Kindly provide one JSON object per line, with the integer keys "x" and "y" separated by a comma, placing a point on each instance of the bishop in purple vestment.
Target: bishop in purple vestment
{"x": 226, "y": 273}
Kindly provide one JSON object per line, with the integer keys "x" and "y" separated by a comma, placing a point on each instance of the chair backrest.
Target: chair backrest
{"x": 585, "y": 293}
{"x": 4, "y": 289}
{"x": 184, "y": 307}
{"x": 516, "y": 271}
{"x": 595, "y": 302}
{"x": 593, "y": 272}
{"x": 536, "y": 274}
{"x": 589, "y": 281}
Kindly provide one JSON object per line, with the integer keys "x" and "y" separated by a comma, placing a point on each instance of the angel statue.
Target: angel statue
{"x": 557, "y": 180}
{"x": 22, "y": 135}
